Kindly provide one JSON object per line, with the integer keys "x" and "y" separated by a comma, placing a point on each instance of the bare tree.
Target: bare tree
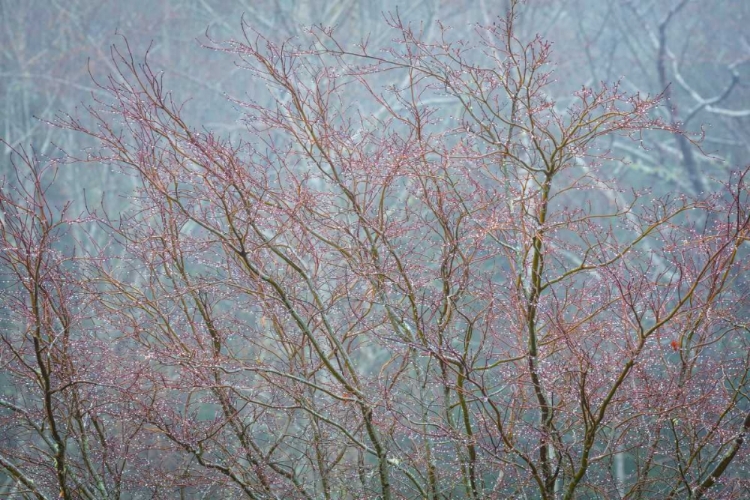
{"x": 450, "y": 296}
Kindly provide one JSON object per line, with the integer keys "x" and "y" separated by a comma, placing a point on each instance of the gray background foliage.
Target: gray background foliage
{"x": 698, "y": 51}
{"x": 695, "y": 52}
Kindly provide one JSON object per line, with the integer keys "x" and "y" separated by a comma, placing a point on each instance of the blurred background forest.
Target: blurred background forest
{"x": 697, "y": 52}
{"x": 694, "y": 53}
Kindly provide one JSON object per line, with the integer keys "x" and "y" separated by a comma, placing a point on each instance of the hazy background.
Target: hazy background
{"x": 696, "y": 52}
{"x": 699, "y": 51}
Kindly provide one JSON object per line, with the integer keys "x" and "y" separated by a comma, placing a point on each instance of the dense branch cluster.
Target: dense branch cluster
{"x": 415, "y": 276}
